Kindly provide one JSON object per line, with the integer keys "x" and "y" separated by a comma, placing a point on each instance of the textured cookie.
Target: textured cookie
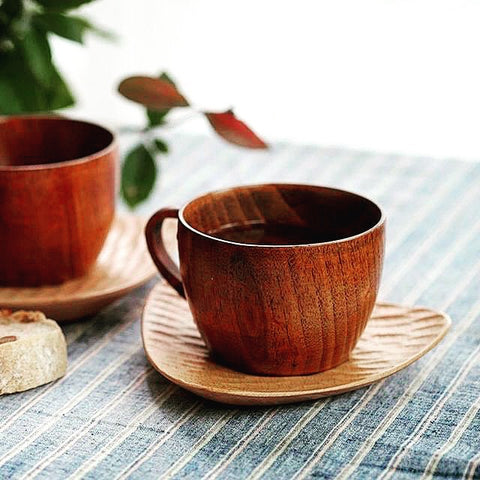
{"x": 33, "y": 351}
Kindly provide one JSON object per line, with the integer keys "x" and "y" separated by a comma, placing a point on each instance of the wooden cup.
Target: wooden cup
{"x": 57, "y": 197}
{"x": 276, "y": 309}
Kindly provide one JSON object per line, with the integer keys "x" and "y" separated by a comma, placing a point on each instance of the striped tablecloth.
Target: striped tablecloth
{"x": 112, "y": 416}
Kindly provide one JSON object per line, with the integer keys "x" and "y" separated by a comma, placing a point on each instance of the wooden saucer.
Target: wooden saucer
{"x": 395, "y": 337}
{"x": 123, "y": 264}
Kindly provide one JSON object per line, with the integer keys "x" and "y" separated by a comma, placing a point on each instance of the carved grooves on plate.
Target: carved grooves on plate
{"x": 394, "y": 336}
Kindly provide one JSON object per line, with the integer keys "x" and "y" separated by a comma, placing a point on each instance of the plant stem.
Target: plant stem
{"x": 175, "y": 123}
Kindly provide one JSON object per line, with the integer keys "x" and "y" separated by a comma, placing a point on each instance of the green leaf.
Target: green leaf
{"x": 105, "y": 34}
{"x": 37, "y": 54}
{"x": 160, "y": 145}
{"x": 19, "y": 89}
{"x": 69, "y": 26}
{"x": 11, "y": 8}
{"x": 22, "y": 91}
{"x": 58, "y": 95}
{"x": 138, "y": 175}
{"x": 9, "y": 101}
{"x": 66, "y": 26}
{"x": 61, "y": 5}
{"x": 156, "y": 117}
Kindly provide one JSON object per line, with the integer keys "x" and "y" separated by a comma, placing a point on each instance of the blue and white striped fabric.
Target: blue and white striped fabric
{"x": 113, "y": 417}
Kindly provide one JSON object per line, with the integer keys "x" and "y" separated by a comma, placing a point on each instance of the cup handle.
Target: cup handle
{"x": 156, "y": 247}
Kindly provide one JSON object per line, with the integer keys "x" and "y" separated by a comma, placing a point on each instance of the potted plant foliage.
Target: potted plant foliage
{"x": 159, "y": 96}
{"x": 30, "y": 82}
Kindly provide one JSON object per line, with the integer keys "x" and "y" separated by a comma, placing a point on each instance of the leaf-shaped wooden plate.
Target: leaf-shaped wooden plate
{"x": 395, "y": 337}
{"x": 123, "y": 264}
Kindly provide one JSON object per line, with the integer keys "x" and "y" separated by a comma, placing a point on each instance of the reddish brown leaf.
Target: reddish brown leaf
{"x": 233, "y": 130}
{"x": 153, "y": 93}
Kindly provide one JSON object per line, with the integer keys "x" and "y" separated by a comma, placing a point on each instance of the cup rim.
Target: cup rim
{"x": 112, "y": 145}
{"x": 377, "y": 225}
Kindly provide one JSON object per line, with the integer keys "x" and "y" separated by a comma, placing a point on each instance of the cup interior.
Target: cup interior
{"x": 328, "y": 214}
{"x": 46, "y": 140}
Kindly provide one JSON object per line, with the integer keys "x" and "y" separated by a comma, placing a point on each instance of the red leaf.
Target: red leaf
{"x": 233, "y": 130}
{"x": 154, "y": 93}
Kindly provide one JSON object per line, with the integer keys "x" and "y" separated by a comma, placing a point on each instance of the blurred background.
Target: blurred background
{"x": 384, "y": 75}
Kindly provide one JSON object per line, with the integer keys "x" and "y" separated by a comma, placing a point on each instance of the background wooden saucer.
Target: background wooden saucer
{"x": 124, "y": 264}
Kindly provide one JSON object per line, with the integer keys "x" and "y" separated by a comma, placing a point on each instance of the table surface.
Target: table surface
{"x": 113, "y": 416}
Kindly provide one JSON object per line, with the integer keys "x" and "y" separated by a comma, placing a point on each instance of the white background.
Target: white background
{"x": 390, "y": 76}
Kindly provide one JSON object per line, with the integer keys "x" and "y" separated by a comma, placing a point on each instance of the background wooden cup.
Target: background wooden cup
{"x": 271, "y": 309}
{"x": 57, "y": 197}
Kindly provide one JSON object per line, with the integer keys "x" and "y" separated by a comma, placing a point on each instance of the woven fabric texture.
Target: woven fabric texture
{"x": 112, "y": 416}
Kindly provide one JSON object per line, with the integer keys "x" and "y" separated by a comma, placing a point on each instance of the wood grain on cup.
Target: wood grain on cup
{"x": 57, "y": 197}
{"x": 273, "y": 309}
{"x": 395, "y": 336}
